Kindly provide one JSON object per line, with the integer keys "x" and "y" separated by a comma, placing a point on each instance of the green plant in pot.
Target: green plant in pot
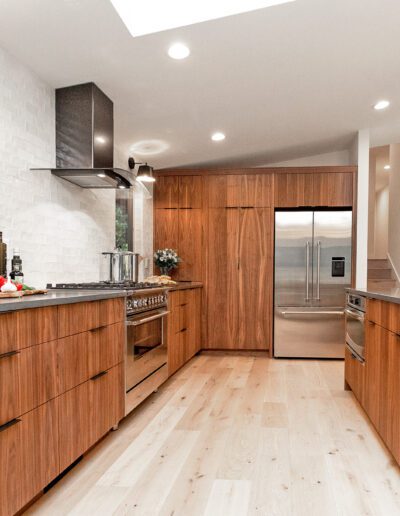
{"x": 166, "y": 260}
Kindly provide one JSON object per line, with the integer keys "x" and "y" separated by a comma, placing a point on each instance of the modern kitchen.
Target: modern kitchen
{"x": 199, "y": 258}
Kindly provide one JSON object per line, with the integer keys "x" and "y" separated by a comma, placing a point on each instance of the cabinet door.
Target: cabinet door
{"x": 106, "y": 347}
{"x": 37, "y": 325}
{"x": 74, "y": 416}
{"x": 8, "y": 333}
{"x": 28, "y": 456}
{"x": 106, "y": 392}
{"x": 293, "y": 190}
{"x": 376, "y": 356}
{"x": 166, "y": 229}
{"x": 166, "y": 192}
{"x": 222, "y": 281}
{"x": 190, "y": 192}
{"x": 10, "y": 396}
{"x": 255, "y": 278}
{"x": 333, "y": 189}
{"x": 257, "y": 190}
{"x": 190, "y": 246}
{"x": 224, "y": 191}
{"x": 391, "y": 387}
{"x": 175, "y": 341}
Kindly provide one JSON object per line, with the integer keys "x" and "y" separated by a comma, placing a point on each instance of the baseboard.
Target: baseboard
{"x": 396, "y": 273}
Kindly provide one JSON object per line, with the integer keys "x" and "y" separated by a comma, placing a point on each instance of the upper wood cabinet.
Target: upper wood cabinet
{"x": 173, "y": 192}
{"x": 190, "y": 245}
{"x": 293, "y": 190}
{"x": 239, "y": 190}
{"x": 331, "y": 189}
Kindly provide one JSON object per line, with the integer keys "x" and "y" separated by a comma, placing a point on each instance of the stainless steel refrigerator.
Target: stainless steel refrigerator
{"x": 312, "y": 270}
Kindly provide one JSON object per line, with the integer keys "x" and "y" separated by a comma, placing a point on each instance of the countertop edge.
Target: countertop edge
{"x": 54, "y": 298}
{"x": 383, "y": 296}
{"x": 185, "y": 286}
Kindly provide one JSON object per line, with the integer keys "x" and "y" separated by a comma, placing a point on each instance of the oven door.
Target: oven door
{"x": 146, "y": 348}
{"x": 355, "y": 331}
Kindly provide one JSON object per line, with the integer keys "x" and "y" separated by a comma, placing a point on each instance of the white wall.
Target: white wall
{"x": 60, "y": 229}
{"x": 394, "y": 207}
{"x": 336, "y": 158}
{"x": 381, "y": 225}
{"x": 362, "y": 151}
{"x": 372, "y": 205}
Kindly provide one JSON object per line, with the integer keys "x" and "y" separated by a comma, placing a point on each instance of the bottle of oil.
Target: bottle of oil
{"x": 16, "y": 273}
{"x": 3, "y": 257}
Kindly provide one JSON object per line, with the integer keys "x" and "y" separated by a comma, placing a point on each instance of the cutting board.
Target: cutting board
{"x": 21, "y": 293}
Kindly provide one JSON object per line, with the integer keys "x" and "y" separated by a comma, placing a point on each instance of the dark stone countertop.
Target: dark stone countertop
{"x": 391, "y": 295}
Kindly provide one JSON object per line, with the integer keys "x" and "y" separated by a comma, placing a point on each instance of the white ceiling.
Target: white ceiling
{"x": 282, "y": 82}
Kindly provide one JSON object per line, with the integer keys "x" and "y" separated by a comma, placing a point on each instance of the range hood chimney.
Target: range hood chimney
{"x": 85, "y": 139}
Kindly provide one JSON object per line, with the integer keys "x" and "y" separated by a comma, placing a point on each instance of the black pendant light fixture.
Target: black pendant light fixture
{"x": 144, "y": 173}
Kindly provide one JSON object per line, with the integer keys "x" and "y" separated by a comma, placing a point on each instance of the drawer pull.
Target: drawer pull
{"x": 184, "y": 304}
{"x": 183, "y": 329}
{"x": 93, "y": 330}
{"x": 99, "y": 375}
{"x": 9, "y": 424}
{"x": 10, "y": 354}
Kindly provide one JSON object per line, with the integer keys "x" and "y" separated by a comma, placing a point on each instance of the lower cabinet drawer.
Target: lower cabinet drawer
{"x": 384, "y": 313}
{"x": 29, "y": 456}
{"x": 27, "y": 379}
{"x": 89, "y": 411}
{"x": 355, "y": 375}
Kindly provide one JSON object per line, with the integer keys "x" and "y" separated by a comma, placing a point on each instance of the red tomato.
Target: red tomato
{"x": 19, "y": 286}
{"x": 2, "y": 281}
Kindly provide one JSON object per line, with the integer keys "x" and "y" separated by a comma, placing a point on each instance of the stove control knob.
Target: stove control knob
{"x": 134, "y": 303}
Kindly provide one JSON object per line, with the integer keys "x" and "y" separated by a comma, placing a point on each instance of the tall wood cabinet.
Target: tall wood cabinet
{"x": 222, "y": 224}
{"x": 178, "y": 222}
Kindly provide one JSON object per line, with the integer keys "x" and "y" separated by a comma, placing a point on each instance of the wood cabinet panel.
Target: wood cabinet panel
{"x": 190, "y": 247}
{"x": 191, "y": 320}
{"x": 190, "y": 192}
{"x": 257, "y": 190}
{"x": 28, "y": 457}
{"x": 166, "y": 229}
{"x": 390, "y": 426}
{"x": 37, "y": 325}
{"x": 77, "y": 318}
{"x": 224, "y": 191}
{"x": 333, "y": 189}
{"x": 355, "y": 375}
{"x": 293, "y": 190}
{"x": 8, "y": 333}
{"x": 222, "y": 281}
{"x": 74, "y": 417}
{"x": 72, "y": 359}
{"x": 106, "y": 347}
{"x": 385, "y": 314}
{"x": 111, "y": 311}
{"x": 376, "y": 354}
{"x": 105, "y": 394}
{"x": 255, "y": 278}
{"x": 166, "y": 192}
{"x": 27, "y": 380}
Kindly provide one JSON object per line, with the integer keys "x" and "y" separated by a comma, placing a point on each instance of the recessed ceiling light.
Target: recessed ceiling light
{"x": 382, "y": 104}
{"x": 101, "y": 174}
{"x": 387, "y": 167}
{"x": 157, "y": 15}
{"x": 100, "y": 139}
{"x": 178, "y": 51}
{"x": 218, "y": 137}
{"x": 121, "y": 187}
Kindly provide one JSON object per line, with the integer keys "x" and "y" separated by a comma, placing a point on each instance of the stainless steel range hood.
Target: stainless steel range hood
{"x": 85, "y": 139}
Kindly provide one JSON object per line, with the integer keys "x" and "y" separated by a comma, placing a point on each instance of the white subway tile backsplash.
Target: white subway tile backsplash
{"x": 59, "y": 228}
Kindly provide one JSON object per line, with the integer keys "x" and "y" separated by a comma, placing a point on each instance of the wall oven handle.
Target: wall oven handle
{"x": 147, "y": 319}
{"x": 354, "y": 314}
{"x": 325, "y": 312}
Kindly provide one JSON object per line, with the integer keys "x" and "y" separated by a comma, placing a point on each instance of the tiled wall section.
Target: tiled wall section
{"x": 59, "y": 228}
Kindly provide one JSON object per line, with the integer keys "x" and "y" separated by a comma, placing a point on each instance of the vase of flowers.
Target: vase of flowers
{"x": 166, "y": 260}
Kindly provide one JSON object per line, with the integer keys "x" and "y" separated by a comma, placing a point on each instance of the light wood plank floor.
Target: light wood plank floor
{"x": 237, "y": 435}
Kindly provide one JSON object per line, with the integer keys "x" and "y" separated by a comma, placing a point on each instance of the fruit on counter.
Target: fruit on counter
{"x": 2, "y": 281}
{"x": 8, "y": 287}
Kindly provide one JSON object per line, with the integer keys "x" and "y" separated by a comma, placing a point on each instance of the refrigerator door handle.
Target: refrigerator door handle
{"x": 318, "y": 298}
{"x": 307, "y": 298}
{"x": 318, "y": 313}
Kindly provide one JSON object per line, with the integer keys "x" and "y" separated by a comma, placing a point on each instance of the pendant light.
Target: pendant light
{"x": 144, "y": 173}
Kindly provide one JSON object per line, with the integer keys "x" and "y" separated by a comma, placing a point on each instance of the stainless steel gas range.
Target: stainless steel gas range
{"x": 146, "y": 347}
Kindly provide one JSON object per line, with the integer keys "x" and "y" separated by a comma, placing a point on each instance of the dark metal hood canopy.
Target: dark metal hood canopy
{"x": 85, "y": 139}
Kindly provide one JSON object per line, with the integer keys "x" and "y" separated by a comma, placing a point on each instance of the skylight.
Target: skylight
{"x": 149, "y": 16}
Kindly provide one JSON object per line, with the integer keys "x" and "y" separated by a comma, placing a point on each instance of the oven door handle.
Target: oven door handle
{"x": 147, "y": 319}
{"x": 354, "y": 314}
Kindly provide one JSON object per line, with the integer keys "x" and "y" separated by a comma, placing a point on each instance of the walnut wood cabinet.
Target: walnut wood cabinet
{"x": 329, "y": 189}
{"x": 58, "y": 396}
{"x": 222, "y": 224}
{"x": 377, "y": 382}
{"x": 183, "y": 327}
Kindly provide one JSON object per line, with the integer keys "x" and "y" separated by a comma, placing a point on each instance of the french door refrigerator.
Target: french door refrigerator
{"x": 312, "y": 270}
